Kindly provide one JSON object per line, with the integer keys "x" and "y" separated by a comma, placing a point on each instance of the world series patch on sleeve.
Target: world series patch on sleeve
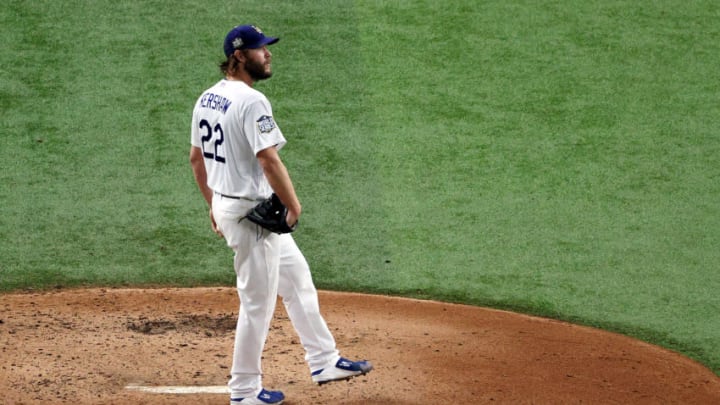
{"x": 266, "y": 124}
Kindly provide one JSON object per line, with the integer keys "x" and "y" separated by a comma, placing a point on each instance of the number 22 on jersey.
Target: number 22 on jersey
{"x": 212, "y": 153}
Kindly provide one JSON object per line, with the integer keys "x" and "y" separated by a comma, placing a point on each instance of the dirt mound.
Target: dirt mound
{"x": 89, "y": 346}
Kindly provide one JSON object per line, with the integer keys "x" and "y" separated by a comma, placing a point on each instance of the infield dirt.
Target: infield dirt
{"x": 87, "y": 346}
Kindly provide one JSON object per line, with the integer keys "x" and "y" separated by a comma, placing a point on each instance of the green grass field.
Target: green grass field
{"x": 553, "y": 157}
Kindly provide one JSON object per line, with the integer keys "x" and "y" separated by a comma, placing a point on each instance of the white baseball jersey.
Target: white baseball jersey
{"x": 231, "y": 123}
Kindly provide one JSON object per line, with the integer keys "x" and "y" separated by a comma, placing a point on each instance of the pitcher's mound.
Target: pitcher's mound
{"x": 98, "y": 346}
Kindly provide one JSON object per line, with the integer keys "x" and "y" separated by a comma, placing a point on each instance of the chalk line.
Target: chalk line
{"x": 218, "y": 389}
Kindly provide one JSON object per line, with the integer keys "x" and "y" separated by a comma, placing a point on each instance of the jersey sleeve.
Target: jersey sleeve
{"x": 195, "y": 129}
{"x": 260, "y": 127}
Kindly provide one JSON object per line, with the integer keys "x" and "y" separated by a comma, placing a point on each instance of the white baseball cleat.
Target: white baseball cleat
{"x": 265, "y": 397}
{"x": 343, "y": 369}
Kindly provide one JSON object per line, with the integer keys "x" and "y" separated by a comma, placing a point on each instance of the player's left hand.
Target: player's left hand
{"x": 214, "y": 225}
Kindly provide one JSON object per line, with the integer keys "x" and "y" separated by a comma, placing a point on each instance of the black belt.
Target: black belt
{"x": 231, "y": 196}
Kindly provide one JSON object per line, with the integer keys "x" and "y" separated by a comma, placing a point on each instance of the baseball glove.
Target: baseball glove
{"x": 271, "y": 214}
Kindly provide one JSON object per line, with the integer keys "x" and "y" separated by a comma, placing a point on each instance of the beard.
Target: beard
{"x": 257, "y": 71}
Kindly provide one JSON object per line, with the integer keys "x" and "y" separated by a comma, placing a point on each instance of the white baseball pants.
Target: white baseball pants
{"x": 268, "y": 265}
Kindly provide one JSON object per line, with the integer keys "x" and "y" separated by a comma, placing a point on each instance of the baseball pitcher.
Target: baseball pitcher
{"x": 253, "y": 205}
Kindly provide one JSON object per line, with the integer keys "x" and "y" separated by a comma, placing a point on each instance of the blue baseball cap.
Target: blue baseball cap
{"x": 246, "y": 37}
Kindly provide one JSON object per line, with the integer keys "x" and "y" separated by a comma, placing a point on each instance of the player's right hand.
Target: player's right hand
{"x": 291, "y": 218}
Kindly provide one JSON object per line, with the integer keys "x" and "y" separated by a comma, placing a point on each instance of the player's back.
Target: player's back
{"x": 224, "y": 128}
